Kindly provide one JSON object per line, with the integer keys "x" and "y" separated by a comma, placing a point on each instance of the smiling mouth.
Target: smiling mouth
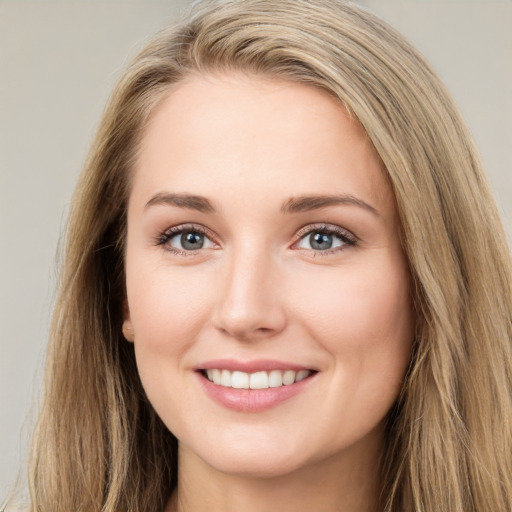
{"x": 256, "y": 380}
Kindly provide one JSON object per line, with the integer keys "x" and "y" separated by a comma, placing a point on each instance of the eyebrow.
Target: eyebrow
{"x": 293, "y": 205}
{"x": 308, "y": 203}
{"x": 189, "y": 201}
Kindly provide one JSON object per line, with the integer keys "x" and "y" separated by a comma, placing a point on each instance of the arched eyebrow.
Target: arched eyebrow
{"x": 189, "y": 201}
{"x": 308, "y": 203}
{"x": 292, "y": 205}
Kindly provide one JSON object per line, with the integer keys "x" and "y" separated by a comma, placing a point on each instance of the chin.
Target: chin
{"x": 253, "y": 460}
{"x": 255, "y": 468}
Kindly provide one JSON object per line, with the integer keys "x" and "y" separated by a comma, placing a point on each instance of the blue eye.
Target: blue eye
{"x": 190, "y": 241}
{"x": 325, "y": 239}
{"x": 182, "y": 239}
{"x": 321, "y": 241}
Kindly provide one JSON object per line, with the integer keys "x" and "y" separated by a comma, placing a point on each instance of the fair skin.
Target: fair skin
{"x": 263, "y": 238}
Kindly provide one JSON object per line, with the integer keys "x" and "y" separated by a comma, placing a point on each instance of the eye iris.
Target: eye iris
{"x": 191, "y": 241}
{"x": 320, "y": 241}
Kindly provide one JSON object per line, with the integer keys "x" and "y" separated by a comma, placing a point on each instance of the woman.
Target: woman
{"x": 285, "y": 286}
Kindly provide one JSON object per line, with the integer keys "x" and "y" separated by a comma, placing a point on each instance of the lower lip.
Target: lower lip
{"x": 252, "y": 400}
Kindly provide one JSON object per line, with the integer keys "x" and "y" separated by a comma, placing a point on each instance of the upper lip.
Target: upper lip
{"x": 256, "y": 365}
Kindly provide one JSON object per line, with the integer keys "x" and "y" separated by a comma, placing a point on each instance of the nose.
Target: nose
{"x": 249, "y": 303}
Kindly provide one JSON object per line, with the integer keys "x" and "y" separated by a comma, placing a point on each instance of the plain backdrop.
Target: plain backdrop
{"x": 58, "y": 63}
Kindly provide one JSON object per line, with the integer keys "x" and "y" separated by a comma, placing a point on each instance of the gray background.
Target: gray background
{"x": 58, "y": 62}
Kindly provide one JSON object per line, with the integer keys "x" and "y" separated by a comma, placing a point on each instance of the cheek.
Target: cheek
{"x": 363, "y": 317}
{"x": 362, "y": 305}
{"x": 167, "y": 311}
{"x": 364, "y": 321}
{"x": 162, "y": 302}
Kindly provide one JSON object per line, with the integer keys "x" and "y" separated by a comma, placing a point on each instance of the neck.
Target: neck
{"x": 348, "y": 482}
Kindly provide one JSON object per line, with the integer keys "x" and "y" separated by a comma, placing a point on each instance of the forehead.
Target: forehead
{"x": 213, "y": 133}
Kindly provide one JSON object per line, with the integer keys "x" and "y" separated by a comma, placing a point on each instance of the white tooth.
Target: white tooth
{"x": 301, "y": 375}
{"x": 209, "y": 373}
{"x": 225, "y": 378}
{"x": 258, "y": 380}
{"x": 216, "y": 376}
{"x": 275, "y": 379}
{"x": 288, "y": 377}
{"x": 239, "y": 380}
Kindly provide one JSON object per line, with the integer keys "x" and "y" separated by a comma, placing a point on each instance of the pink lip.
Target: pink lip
{"x": 251, "y": 400}
{"x": 257, "y": 365}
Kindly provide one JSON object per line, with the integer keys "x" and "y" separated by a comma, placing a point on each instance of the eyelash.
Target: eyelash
{"x": 174, "y": 231}
{"x": 348, "y": 239}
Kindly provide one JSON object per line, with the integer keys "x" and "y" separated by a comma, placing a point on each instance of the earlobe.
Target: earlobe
{"x": 128, "y": 330}
{"x": 127, "y": 323}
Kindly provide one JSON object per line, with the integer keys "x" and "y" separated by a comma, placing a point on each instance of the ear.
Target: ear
{"x": 127, "y": 323}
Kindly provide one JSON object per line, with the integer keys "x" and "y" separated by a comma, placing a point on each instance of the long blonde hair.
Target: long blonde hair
{"x": 99, "y": 446}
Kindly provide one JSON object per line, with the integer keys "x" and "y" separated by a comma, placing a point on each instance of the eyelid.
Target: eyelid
{"x": 163, "y": 237}
{"x": 345, "y": 235}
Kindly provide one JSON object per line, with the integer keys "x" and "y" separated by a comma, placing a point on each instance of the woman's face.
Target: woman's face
{"x": 263, "y": 254}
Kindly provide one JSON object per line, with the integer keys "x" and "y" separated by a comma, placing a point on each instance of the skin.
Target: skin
{"x": 258, "y": 289}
